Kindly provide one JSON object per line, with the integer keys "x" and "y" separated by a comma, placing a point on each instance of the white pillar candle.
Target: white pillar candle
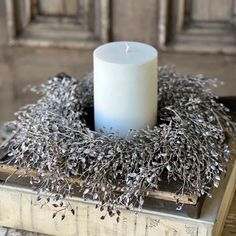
{"x": 125, "y": 87}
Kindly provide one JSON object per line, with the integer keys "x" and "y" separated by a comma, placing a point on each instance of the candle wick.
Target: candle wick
{"x": 127, "y": 47}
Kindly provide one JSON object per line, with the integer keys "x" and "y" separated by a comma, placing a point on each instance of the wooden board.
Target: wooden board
{"x": 230, "y": 222}
{"x": 13, "y": 171}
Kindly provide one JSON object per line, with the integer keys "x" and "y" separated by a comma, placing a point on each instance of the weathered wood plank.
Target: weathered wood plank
{"x": 162, "y": 25}
{"x": 234, "y": 13}
{"x": 158, "y": 194}
{"x": 226, "y": 201}
{"x": 23, "y": 212}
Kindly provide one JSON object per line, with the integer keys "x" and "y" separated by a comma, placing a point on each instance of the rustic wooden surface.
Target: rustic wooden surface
{"x": 229, "y": 228}
{"x": 230, "y": 223}
{"x": 164, "y": 194}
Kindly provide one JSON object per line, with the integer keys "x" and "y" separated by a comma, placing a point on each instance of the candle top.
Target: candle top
{"x": 125, "y": 52}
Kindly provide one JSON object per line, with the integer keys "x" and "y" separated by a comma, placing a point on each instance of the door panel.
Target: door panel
{"x": 201, "y": 26}
{"x": 212, "y": 10}
{"x": 60, "y": 23}
{"x": 135, "y": 20}
{"x": 58, "y": 7}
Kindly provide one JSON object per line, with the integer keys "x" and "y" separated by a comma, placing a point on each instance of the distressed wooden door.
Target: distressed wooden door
{"x": 182, "y": 25}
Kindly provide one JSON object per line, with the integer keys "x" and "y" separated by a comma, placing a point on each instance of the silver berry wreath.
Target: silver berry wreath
{"x": 188, "y": 144}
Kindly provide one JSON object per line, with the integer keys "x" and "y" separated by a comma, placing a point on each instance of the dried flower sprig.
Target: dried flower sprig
{"x": 188, "y": 144}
